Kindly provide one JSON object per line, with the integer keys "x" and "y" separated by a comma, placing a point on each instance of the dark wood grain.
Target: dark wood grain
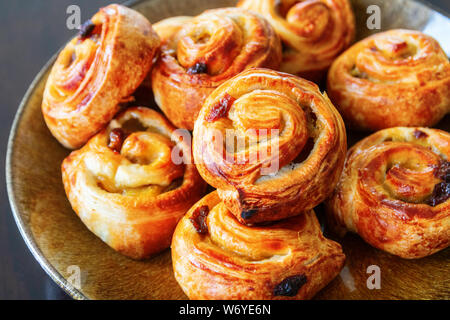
{"x": 33, "y": 31}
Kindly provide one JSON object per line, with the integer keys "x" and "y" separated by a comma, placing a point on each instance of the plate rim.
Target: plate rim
{"x": 24, "y": 230}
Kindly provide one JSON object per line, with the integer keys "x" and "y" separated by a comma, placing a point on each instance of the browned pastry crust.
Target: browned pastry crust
{"x": 200, "y": 53}
{"x": 394, "y": 191}
{"x": 216, "y": 257}
{"x": 309, "y": 147}
{"x": 393, "y": 78}
{"x": 95, "y": 72}
{"x": 125, "y": 187}
{"x": 313, "y": 32}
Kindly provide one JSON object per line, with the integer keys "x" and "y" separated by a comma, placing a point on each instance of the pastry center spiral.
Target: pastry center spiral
{"x": 263, "y": 126}
{"x": 213, "y": 41}
{"x": 147, "y": 161}
{"x": 396, "y": 58}
{"x": 76, "y": 60}
{"x": 309, "y": 18}
{"x": 137, "y": 162}
{"x": 394, "y": 48}
{"x": 146, "y": 147}
{"x": 407, "y": 172}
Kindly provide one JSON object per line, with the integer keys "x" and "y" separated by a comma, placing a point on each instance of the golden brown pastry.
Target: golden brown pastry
{"x": 96, "y": 71}
{"x": 313, "y": 32}
{"x": 393, "y": 78}
{"x": 200, "y": 53}
{"x": 216, "y": 257}
{"x": 394, "y": 191}
{"x": 127, "y": 188}
{"x": 271, "y": 143}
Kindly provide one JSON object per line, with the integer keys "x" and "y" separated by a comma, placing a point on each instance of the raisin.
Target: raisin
{"x": 289, "y": 287}
{"x": 420, "y": 134}
{"x": 86, "y": 29}
{"x": 197, "y": 68}
{"x": 247, "y": 214}
{"x": 116, "y": 139}
{"x": 220, "y": 109}
{"x": 440, "y": 194}
{"x": 198, "y": 219}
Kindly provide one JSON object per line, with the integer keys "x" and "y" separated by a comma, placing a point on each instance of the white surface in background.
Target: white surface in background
{"x": 439, "y": 28}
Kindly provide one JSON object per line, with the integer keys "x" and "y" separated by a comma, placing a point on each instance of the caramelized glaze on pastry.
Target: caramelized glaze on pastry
{"x": 95, "y": 72}
{"x": 126, "y": 186}
{"x": 313, "y": 32}
{"x": 216, "y": 257}
{"x": 394, "y": 191}
{"x": 200, "y": 53}
{"x": 393, "y": 78}
{"x": 271, "y": 143}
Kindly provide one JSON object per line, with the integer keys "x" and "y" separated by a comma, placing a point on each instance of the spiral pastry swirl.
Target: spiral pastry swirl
{"x": 286, "y": 140}
{"x": 313, "y": 32}
{"x": 200, "y": 53}
{"x": 125, "y": 186}
{"x": 216, "y": 257}
{"x": 393, "y": 78}
{"x": 95, "y": 72}
{"x": 394, "y": 191}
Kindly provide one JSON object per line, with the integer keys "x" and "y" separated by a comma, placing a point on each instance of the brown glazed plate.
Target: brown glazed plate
{"x": 59, "y": 240}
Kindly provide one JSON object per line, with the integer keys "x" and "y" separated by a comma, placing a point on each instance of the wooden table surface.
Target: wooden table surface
{"x": 32, "y": 32}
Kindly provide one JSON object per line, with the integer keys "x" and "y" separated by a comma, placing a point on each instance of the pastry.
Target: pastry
{"x": 97, "y": 71}
{"x": 313, "y": 32}
{"x": 271, "y": 143}
{"x": 200, "y": 53}
{"x": 216, "y": 257}
{"x": 127, "y": 186}
{"x": 393, "y": 78}
{"x": 394, "y": 191}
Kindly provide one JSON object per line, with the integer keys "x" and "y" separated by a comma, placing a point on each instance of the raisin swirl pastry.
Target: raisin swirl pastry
{"x": 216, "y": 257}
{"x": 126, "y": 187}
{"x": 200, "y": 53}
{"x": 96, "y": 71}
{"x": 393, "y": 78}
{"x": 267, "y": 141}
{"x": 394, "y": 191}
{"x": 313, "y": 32}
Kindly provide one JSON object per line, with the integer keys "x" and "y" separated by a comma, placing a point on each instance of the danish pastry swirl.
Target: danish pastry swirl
{"x": 125, "y": 186}
{"x": 95, "y": 72}
{"x": 216, "y": 257}
{"x": 394, "y": 78}
{"x": 395, "y": 191}
{"x": 289, "y": 140}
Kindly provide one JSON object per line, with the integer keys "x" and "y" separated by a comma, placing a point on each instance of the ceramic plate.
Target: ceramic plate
{"x": 59, "y": 241}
